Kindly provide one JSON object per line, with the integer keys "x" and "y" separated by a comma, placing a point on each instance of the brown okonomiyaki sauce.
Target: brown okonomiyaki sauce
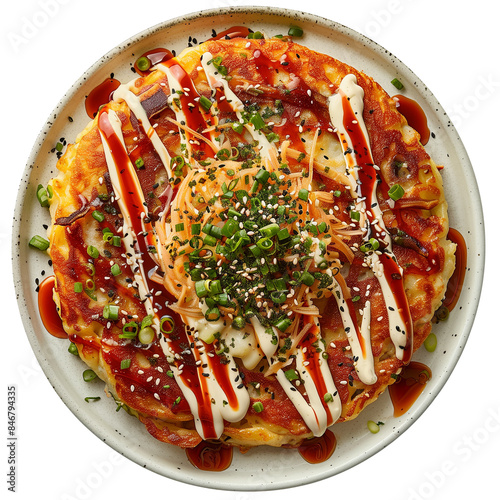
{"x": 48, "y": 310}
{"x": 153, "y": 56}
{"x": 415, "y": 116}
{"x": 213, "y": 456}
{"x": 100, "y": 95}
{"x": 456, "y": 281}
{"x": 408, "y": 386}
{"x": 318, "y": 449}
{"x": 160, "y": 55}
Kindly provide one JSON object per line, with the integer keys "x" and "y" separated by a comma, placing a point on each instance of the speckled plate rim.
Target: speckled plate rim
{"x": 278, "y": 469}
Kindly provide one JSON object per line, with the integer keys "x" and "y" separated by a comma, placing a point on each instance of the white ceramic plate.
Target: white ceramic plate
{"x": 260, "y": 468}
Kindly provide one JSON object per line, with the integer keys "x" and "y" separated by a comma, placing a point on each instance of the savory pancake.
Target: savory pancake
{"x": 249, "y": 243}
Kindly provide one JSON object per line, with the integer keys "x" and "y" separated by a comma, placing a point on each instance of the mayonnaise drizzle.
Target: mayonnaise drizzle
{"x": 351, "y": 94}
{"x": 221, "y": 407}
{"x": 134, "y": 103}
{"x": 215, "y": 79}
{"x": 129, "y": 237}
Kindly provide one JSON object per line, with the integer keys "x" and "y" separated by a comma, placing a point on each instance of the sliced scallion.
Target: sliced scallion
{"x": 143, "y": 63}
{"x": 430, "y": 342}
{"x": 41, "y": 194}
{"x": 111, "y": 311}
{"x": 258, "y": 407}
{"x": 89, "y": 375}
{"x": 295, "y": 31}
{"x": 72, "y": 349}
{"x": 39, "y": 243}
{"x": 397, "y": 83}
{"x": 92, "y": 251}
{"x": 98, "y": 216}
{"x": 115, "y": 270}
{"x": 373, "y": 427}
{"x": 125, "y": 364}
{"x": 129, "y": 330}
{"x": 205, "y": 103}
{"x": 146, "y": 335}
{"x": 167, "y": 324}
{"x": 396, "y": 192}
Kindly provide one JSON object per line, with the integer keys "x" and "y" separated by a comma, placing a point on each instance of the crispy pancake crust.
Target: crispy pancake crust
{"x": 417, "y": 222}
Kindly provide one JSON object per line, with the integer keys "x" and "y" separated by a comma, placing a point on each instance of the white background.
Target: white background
{"x": 452, "y": 451}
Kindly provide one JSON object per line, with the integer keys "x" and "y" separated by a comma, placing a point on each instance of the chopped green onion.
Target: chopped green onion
{"x": 129, "y": 330}
{"x": 195, "y": 229}
{"x": 143, "y": 63}
{"x": 200, "y": 288}
{"x": 206, "y": 228}
{"x": 205, "y": 103}
{"x": 146, "y": 335}
{"x": 258, "y": 407}
{"x": 397, "y": 84}
{"x": 139, "y": 163}
{"x": 442, "y": 313}
{"x": 110, "y": 311}
{"x": 322, "y": 227}
{"x": 41, "y": 194}
{"x": 212, "y": 314}
{"x": 215, "y": 287}
{"x": 265, "y": 244}
{"x": 78, "y": 287}
{"x": 167, "y": 324}
{"x": 270, "y": 230}
{"x": 117, "y": 241}
{"x": 291, "y": 374}
{"x": 229, "y": 228}
{"x": 430, "y": 342}
{"x": 237, "y": 127}
{"x": 92, "y": 251}
{"x": 373, "y": 427}
{"x": 210, "y": 241}
{"x": 147, "y": 321}
{"x": 107, "y": 236}
{"x": 283, "y": 324}
{"x": 39, "y": 243}
{"x": 255, "y": 35}
{"x": 295, "y": 31}
{"x": 89, "y": 375}
{"x": 125, "y": 364}
{"x": 396, "y": 192}
{"x": 262, "y": 176}
{"x": 257, "y": 121}
{"x": 98, "y": 216}
{"x": 278, "y": 296}
{"x": 115, "y": 270}
{"x": 303, "y": 195}
{"x": 216, "y": 61}
{"x": 283, "y": 234}
{"x": 239, "y": 322}
{"x": 328, "y": 397}
{"x": 307, "y": 278}
{"x": 371, "y": 245}
{"x": 88, "y": 399}
{"x": 355, "y": 215}
{"x": 72, "y": 349}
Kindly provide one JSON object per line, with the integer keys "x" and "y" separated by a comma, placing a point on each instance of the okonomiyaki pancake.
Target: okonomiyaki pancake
{"x": 249, "y": 242}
